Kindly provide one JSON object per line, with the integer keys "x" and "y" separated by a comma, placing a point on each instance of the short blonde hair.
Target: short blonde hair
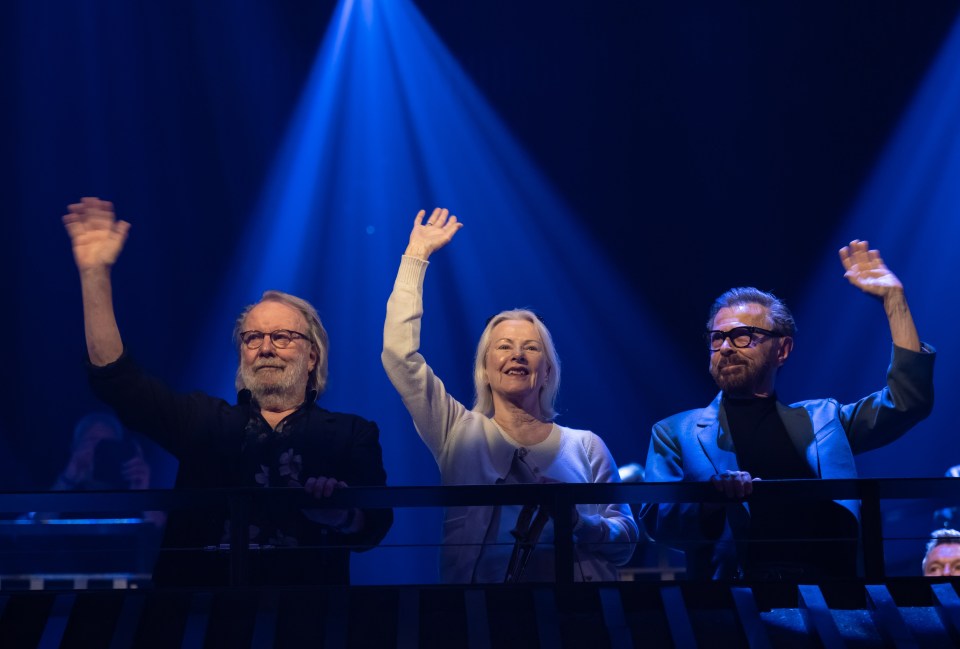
{"x": 483, "y": 402}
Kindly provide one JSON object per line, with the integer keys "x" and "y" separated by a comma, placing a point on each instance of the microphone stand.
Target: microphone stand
{"x": 526, "y": 533}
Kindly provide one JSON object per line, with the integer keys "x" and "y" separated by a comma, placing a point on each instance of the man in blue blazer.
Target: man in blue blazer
{"x": 745, "y": 434}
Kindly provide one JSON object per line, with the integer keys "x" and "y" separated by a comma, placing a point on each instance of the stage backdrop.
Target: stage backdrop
{"x": 617, "y": 166}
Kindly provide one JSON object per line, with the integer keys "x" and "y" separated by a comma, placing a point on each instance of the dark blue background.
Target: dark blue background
{"x": 698, "y": 145}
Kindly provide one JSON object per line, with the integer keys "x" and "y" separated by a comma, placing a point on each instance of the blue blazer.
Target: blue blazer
{"x": 696, "y": 444}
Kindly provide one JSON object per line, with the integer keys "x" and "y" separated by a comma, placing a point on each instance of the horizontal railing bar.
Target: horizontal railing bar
{"x": 470, "y": 495}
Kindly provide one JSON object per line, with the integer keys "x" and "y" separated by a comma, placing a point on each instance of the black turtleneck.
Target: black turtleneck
{"x": 763, "y": 447}
{"x": 815, "y": 539}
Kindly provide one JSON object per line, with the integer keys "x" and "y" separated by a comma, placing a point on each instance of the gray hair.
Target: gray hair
{"x": 548, "y": 393}
{"x": 780, "y": 315}
{"x": 316, "y": 334}
{"x": 943, "y": 536}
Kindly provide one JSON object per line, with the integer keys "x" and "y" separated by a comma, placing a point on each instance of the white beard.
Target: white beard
{"x": 277, "y": 389}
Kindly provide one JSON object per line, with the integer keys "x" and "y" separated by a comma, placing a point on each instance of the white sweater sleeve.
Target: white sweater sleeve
{"x": 612, "y": 530}
{"x": 434, "y": 412}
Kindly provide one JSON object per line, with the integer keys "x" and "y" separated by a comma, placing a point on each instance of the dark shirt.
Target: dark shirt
{"x": 220, "y": 445}
{"x": 799, "y": 540}
{"x": 763, "y": 447}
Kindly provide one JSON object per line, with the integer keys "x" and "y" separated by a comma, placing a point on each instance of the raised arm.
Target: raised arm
{"x": 427, "y": 238}
{"x": 865, "y": 270}
{"x": 434, "y": 412}
{"x": 97, "y": 238}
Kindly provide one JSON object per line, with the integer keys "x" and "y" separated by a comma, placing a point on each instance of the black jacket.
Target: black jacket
{"x": 220, "y": 445}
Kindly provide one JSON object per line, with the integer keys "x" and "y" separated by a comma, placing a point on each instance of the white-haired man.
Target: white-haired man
{"x": 942, "y": 558}
{"x": 275, "y": 436}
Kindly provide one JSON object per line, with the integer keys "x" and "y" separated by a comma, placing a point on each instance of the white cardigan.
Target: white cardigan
{"x": 470, "y": 448}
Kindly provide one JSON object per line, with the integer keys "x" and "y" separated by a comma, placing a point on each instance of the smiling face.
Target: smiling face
{"x": 749, "y": 371}
{"x": 276, "y": 377}
{"x": 515, "y": 365}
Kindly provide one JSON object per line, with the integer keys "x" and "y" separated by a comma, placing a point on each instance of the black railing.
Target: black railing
{"x": 556, "y": 497}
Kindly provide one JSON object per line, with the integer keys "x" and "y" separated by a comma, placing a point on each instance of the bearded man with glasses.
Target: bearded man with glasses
{"x": 746, "y": 434}
{"x": 275, "y": 436}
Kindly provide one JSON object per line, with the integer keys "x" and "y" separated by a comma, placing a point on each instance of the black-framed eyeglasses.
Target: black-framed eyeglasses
{"x": 740, "y": 337}
{"x": 281, "y": 338}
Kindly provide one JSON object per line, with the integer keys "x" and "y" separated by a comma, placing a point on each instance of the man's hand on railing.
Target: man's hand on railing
{"x": 344, "y": 521}
{"x": 733, "y": 484}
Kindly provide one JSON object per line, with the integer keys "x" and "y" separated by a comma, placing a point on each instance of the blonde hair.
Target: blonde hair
{"x": 483, "y": 402}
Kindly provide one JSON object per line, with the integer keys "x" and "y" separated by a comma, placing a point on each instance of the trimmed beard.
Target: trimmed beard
{"x": 286, "y": 391}
{"x": 743, "y": 384}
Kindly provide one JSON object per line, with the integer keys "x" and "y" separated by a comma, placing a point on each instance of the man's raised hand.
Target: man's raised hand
{"x": 96, "y": 234}
{"x": 865, "y": 270}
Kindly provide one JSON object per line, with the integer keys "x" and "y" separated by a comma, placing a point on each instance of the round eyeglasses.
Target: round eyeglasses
{"x": 740, "y": 337}
{"x": 281, "y": 338}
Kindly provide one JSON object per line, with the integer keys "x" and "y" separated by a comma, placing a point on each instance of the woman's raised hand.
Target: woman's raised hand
{"x": 434, "y": 233}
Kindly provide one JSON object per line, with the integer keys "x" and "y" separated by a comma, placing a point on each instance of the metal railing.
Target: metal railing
{"x": 556, "y": 497}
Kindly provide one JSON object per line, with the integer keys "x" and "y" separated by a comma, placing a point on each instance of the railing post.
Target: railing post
{"x": 871, "y": 530}
{"x": 239, "y": 505}
{"x": 563, "y": 538}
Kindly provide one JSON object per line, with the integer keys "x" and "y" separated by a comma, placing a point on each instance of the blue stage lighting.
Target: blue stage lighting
{"x": 910, "y": 210}
{"x": 387, "y": 124}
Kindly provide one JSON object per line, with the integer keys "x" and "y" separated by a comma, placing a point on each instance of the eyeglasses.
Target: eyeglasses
{"x": 740, "y": 337}
{"x": 281, "y": 338}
